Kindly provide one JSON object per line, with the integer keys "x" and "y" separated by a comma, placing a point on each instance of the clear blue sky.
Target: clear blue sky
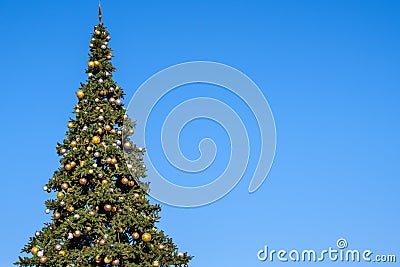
{"x": 329, "y": 69}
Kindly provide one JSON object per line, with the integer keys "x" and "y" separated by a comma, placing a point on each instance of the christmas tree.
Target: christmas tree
{"x": 100, "y": 213}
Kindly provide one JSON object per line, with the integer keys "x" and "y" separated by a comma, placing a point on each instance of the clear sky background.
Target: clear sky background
{"x": 329, "y": 70}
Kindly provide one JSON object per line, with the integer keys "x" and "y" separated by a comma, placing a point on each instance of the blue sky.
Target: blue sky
{"x": 329, "y": 70}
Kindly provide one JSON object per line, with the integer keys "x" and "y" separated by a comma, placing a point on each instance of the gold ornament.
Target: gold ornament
{"x": 107, "y": 128}
{"x": 120, "y": 230}
{"x": 64, "y": 186}
{"x": 43, "y": 259}
{"x": 131, "y": 183}
{"x": 82, "y": 181}
{"x": 131, "y": 131}
{"x": 135, "y": 235}
{"x": 62, "y": 252}
{"x": 57, "y": 215}
{"x": 108, "y": 160}
{"x": 124, "y": 180}
{"x": 73, "y": 164}
{"x": 77, "y": 233}
{"x": 90, "y": 64}
{"x": 98, "y": 258}
{"x": 161, "y": 246}
{"x": 34, "y": 250}
{"x": 154, "y": 229}
{"x": 68, "y": 167}
{"x": 82, "y": 162}
{"x": 92, "y": 213}
{"x": 115, "y": 262}
{"x": 104, "y": 182}
{"x": 69, "y": 189}
{"x": 98, "y": 32}
{"x": 146, "y": 237}
{"x": 107, "y": 260}
{"x": 102, "y": 242}
{"x": 70, "y": 125}
{"x": 156, "y": 264}
{"x": 97, "y": 63}
{"x": 73, "y": 143}
{"x": 88, "y": 228}
{"x": 108, "y": 38}
{"x": 96, "y": 139}
{"x": 71, "y": 209}
{"x": 60, "y": 195}
{"x": 90, "y": 171}
{"x": 113, "y": 161}
{"x": 80, "y": 94}
{"x": 107, "y": 207}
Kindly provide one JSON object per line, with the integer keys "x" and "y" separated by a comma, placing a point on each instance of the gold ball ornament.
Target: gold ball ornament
{"x": 146, "y": 237}
{"x": 71, "y": 209}
{"x": 97, "y": 258}
{"x": 161, "y": 246}
{"x": 107, "y": 260}
{"x": 135, "y": 235}
{"x": 107, "y": 207}
{"x": 113, "y": 161}
{"x": 124, "y": 180}
{"x": 62, "y": 252}
{"x": 68, "y": 167}
{"x": 83, "y": 181}
{"x": 88, "y": 229}
{"x": 107, "y": 128}
{"x": 73, "y": 143}
{"x": 77, "y": 233}
{"x": 43, "y": 259}
{"x": 34, "y": 250}
{"x": 92, "y": 213}
{"x": 70, "y": 125}
{"x": 108, "y": 38}
{"x": 113, "y": 209}
{"x": 127, "y": 145}
{"x": 131, "y": 131}
{"x": 64, "y": 186}
{"x": 109, "y": 56}
{"x": 97, "y": 63}
{"x": 104, "y": 181}
{"x": 60, "y": 195}
{"x": 156, "y": 264}
{"x": 108, "y": 160}
{"x": 115, "y": 262}
{"x": 57, "y": 215}
{"x": 98, "y": 32}
{"x": 80, "y": 94}
{"x": 131, "y": 183}
{"x": 90, "y": 64}
{"x": 96, "y": 139}
{"x": 102, "y": 242}
{"x": 73, "y": 164}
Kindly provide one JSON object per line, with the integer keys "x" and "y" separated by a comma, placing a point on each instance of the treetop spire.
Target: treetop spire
{"x": 100, "y": 14}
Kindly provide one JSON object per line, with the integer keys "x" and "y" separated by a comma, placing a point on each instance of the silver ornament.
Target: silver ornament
{"x": 112, "y": 99}
{"x": 103, "y": 161}
{"x": 100, "y": 80}
{"x": 101, "y": 118}
{"x": 37, "y": 233}
{"x": 40, "y": 253}
{"x": 45, "y": 188}
{"x": 103, "y": 47}
{"x": 57, "y": 247}
{"x": 47, "y": 211}
{"x": 111, "y": 89}
{"x": 85, "y": 128}
{"x": 96, "y": 154}
{"x": 76, "y": 216}
{"x": 62, "y": 203}
{"x": 118, "y": 102}
{"x": 70, "y": 236}
{"x": 95, "y": 165}
{"x": 119, "y": 142}
{"x": 90, "y": 74}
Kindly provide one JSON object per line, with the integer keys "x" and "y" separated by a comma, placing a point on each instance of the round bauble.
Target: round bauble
{"x": 96, "y": 154}
{"x": 57, "y": 247}
{"x": 118, "y": 102}
{"x": 97, "y": 258}
{"x": 98, "y": 32}
{"x": 146, "y": 237}
{"x": 112, "y": 100}
{"x": 96, "y": 139}
{"x": 103, "y": 47}
{"x": 34, "y": 250}
{"x": 62, "y": 203}
{"x": 114, "y": 161}
{"x": 73, "y": 164}
{"x": 109, "y": 57}
{"x": 90, "y": 64}
{"x": 57, "y": 215}
{"x": 107, "y": 207}
{"x": 64, "y": 185}
{"x": 107, "y": 128}
{"x": 135, "y": 235}
{"x": 63, "y": 151}
{"x": 107, "y": 260}
{"x": 101, "y": 118}
{"x": 77, "y": 233}
{"x": 47, "y": 211}
{"x": 83, "y": 181}
{"x": 62, "y": 252}
{"x": 156, "y": 264}
{"x": 60, "y": 195}
{"x": 97, "y": 63}
{"x": 70, "y": 125}
{"x": 70, "y": 236}
{"x": 68, "y": 167}
{"x": 37, "y": 233}
{"x": 71, "y": 209}
{"x": 124, "y": 180}
{"x": 40, "y": 253}
{"x": 88, "y": 229}
{"x": 104, "y": 182}
{"x": 131, "y": 131}
{"x": 161, "y": 246}
{"x": 43, "y": 259}
{"x": 73, "y": 143}
{"x": 91, "y": 45}
{"x": 115, "y": 262}
{"x": 108, "y": 38}
{"x": 92, "y": 213}
{"x": 131, "y": 183}
{"x": 102, "y": 242}
{"x": 80, "y": 94}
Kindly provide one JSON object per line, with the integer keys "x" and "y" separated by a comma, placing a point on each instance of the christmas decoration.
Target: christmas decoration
{"x": 100, "y": 212}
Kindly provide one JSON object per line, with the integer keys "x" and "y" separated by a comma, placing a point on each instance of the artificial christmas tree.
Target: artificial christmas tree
{"x": 100, "y": 213}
